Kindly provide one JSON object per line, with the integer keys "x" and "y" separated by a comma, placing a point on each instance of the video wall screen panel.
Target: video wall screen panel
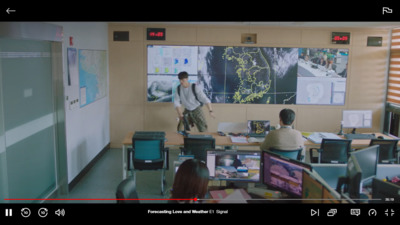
{"x": 250, "y": 75}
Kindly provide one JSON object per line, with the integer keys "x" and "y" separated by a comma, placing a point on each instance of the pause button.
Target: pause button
{"x": 8, "y": 212}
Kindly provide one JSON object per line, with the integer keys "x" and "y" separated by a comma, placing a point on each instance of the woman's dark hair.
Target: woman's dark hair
{"x": 191, "y": 180}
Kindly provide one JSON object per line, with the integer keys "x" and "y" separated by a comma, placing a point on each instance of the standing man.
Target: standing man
{"x": 192, "y": 98}
{"x": 285, "y": 138}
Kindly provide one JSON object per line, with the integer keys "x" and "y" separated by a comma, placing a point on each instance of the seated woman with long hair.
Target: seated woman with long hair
{"x": 190, "y": 183}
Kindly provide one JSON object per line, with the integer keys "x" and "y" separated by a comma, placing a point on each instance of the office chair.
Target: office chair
{"x": 332, "y": 151}
{"x": 293, "y": 154}
{"x": 126, "y": 191}
{"x": 148, "y": 154}
{"x": 197, "y": 147}
{"x": 388, "y": 151}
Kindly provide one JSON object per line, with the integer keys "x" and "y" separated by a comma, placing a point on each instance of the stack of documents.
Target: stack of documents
{"x": 317, "y": 137}
{"x": 255, "y": 140}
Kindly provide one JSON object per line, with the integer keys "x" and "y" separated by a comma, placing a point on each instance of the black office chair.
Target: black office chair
{"x": 332, "y": 151}
{"x": 126, "y": 191}
{"x": 388, "y": 151}
{"x": 148, "y": 154}
{"x": 197, "y": 147}
{"x": 293, "y": 154}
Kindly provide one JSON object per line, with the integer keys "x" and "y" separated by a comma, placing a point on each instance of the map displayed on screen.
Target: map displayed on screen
{"x": 256, "y": 75}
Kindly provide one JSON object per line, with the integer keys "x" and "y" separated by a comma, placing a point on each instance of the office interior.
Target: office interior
{"x": 76, "y": 138}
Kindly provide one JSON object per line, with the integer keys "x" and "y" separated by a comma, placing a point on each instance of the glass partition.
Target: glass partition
{"x": 28, "y": 120}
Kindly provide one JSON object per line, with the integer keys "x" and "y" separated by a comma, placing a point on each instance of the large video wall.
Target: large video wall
{"x": 255, "y": 75}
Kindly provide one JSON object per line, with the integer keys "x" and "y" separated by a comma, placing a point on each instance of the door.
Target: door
{"x": 28, "y": 118}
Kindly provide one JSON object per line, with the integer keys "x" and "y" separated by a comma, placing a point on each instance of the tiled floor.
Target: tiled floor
{"x": 103, "y": 178}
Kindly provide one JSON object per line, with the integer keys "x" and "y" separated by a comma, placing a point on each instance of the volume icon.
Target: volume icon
{"x": 60, "y": 212}
{"x": 8, "y": 212}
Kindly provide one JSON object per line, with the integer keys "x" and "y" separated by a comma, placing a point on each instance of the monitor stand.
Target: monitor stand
{"x": 341, "y": 129}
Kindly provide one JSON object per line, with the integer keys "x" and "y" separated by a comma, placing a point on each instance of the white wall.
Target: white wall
{"x": 87, "y": 128}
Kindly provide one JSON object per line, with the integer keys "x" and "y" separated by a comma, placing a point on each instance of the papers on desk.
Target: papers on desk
{"x": 238, "y": 139}
{"x": 230, "y": 196}
{"x": 255, "y": 140}
{"x": 317, "y": 137}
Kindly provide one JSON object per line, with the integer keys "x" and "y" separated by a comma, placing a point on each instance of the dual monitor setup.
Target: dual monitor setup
{"x": 275, "y": 171}
{"x": 297, "y": 179}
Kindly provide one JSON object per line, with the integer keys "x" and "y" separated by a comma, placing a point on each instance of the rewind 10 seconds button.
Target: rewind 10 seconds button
{"x": 25, "y": 212}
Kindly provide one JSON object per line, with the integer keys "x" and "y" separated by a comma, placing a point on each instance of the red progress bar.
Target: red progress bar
{"x": 97, "y": 199}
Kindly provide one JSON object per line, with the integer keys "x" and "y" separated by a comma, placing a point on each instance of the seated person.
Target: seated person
{"x": 284, "y": 138}
{"x": 191, "y": 181}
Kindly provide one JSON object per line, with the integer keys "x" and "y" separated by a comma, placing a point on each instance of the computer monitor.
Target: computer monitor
{"x": 357, "y": 118}
{"x": 234, "y": 165}
{"x": 283, "y": 173}
{"x": 354, "y": 176}
{"x": 367, "y": 158}
{"x": 385, "y": 192}
{"x": 329, "y": 195}
{"x": 259, "y": 127}
{"x": 312, "y": 188}
{"x": 315, "y": 190}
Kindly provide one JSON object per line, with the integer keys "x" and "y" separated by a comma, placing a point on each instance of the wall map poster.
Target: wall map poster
{"x": 92, "y": 75}
{"x": 256, "y": 75}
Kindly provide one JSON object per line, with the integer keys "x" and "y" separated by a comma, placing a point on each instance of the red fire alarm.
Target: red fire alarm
{"x": 71, "y": 41}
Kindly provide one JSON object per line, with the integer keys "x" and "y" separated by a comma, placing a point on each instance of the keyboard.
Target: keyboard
{"x": 200, "y": 136}
{"x": 256, "y": 135}
{"x": 359, "y": 136}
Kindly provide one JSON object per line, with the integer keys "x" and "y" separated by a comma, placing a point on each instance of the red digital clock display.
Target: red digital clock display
{"x": 156, "y": 34}
{"x": 340, "y": 38}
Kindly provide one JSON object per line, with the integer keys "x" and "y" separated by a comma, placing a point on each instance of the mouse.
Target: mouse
{"x": 381, "y": 137}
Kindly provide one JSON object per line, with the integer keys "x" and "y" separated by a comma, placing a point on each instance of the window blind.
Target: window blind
{"x": 393, "y": 95}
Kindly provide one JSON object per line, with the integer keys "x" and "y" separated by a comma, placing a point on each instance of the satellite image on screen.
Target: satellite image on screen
{"x": 249, "y": 75}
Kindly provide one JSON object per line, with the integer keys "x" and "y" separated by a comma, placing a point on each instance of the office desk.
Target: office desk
{"x": 175, "y": 139}
{"x": 355, "y": 143}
